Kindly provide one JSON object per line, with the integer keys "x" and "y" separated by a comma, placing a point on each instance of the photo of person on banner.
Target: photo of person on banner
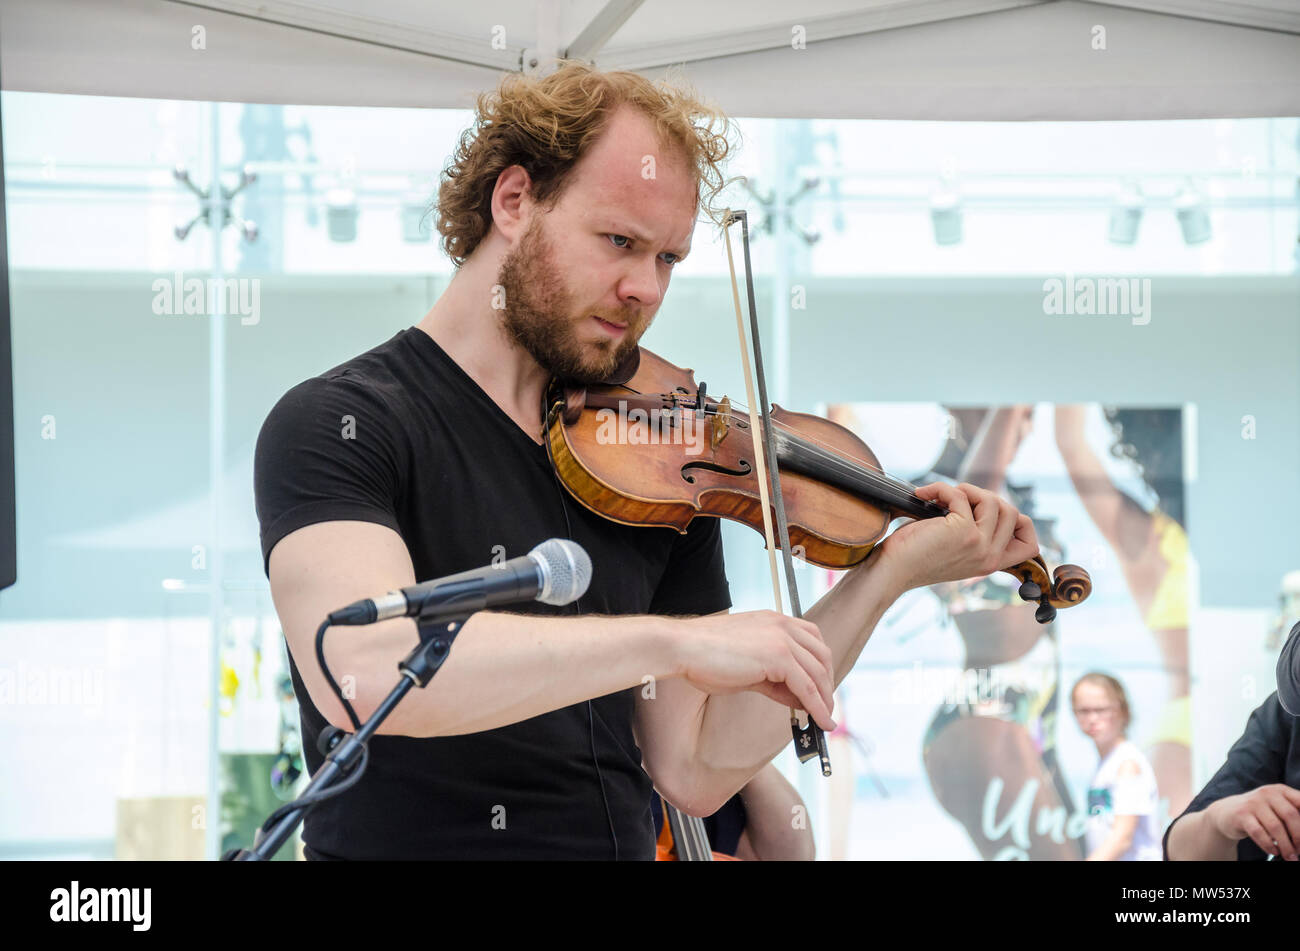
{"x": 991, "y": 752}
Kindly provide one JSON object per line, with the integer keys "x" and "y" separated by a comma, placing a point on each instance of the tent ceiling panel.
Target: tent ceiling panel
{"x": 922, "y": 59}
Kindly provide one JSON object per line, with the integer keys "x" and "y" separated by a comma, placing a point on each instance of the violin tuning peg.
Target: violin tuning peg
{"x": 1045, "y": 613}
{"x": 1030, "y": 591}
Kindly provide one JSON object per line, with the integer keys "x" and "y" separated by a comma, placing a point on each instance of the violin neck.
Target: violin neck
{"x": 797, "y": 455}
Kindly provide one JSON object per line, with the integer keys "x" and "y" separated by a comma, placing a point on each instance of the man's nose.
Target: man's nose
{"x": 641, "y": 284}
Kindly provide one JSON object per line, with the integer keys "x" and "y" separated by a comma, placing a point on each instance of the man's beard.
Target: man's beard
{"x": 538, "y": 315}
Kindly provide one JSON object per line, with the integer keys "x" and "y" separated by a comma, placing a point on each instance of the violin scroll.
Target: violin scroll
{"x": 1068, "y": 585}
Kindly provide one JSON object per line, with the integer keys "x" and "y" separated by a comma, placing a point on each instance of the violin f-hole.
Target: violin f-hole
{"x": 715, "y": 467}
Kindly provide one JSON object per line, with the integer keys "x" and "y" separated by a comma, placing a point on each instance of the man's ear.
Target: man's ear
{"x": 512, "y": 202}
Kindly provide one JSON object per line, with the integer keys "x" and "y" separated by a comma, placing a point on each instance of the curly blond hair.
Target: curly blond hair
{"x": 546, "y": 124}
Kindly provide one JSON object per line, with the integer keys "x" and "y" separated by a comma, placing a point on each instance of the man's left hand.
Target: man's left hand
{"x": 982, "y": 533}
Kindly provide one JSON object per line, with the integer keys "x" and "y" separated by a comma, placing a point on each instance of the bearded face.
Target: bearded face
{"x": 544, "y": 317}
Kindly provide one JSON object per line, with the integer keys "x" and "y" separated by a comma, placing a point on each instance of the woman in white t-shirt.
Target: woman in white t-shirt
{"x": 1123, "y": 800}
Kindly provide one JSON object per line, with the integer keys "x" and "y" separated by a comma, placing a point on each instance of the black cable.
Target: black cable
{"x": 591, "y": 718}
{"x": 591, "y": 728}
{"x": 329, "y": 678}
{"x": 307, "y": 803}
{"x": 320, "y": 647}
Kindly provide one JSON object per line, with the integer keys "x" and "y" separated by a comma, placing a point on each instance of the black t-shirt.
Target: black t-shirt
{"x": 402, "y": 436}
{"x": 1268, "y": 752}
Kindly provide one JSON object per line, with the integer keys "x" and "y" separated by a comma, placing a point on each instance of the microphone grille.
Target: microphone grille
{"x": 566, "y": 570}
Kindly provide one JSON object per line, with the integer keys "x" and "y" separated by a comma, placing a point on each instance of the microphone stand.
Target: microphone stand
{"x": 438, "y": 627}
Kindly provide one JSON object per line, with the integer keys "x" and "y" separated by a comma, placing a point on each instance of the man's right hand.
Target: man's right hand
{"x": 1268, "y": 815}
{"x": 784, "y": 658}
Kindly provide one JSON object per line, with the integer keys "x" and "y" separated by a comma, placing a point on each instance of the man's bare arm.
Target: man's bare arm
{"x": 710, "y": 746}
{"x": 846, "y": 616}
{"x": 777, "y": 828}
{"x": 504, "y": 668}
{"x": 1194, "y": 837}
{"x": 736, "y": 734}
{"x": 1268, "y": 815}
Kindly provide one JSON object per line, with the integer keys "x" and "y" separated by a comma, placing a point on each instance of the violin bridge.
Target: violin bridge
{"x": 718, "y": 425}
{"x": 672, "y": 413}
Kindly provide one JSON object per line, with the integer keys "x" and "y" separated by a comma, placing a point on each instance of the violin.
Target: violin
{"x": 656, "y": 449}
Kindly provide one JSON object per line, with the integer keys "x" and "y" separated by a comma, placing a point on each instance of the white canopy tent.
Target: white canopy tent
{"x": 914, "y": 59}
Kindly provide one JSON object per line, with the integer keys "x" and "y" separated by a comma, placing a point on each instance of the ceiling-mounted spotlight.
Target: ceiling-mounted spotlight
{"x": 341, "y": 214}
{"x": 1126, "y": 215}
{"x": 809, "y": 183}
{"x": 809, "y": 234}
{"x": 945, "y": 213}
{"x": 1193, "y": 216}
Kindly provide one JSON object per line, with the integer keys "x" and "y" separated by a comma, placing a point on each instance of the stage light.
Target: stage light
{"x": 945, "y": 213}
{"x": 1193, "y": 216}
{"x": 341, "y": 214}
{"x": 1126, "y": 215}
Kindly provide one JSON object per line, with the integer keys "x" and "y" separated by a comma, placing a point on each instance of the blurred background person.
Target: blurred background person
{"x": 1123, "y": 798}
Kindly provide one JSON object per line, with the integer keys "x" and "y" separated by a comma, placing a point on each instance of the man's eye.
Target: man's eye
{"x": 623, "y": 241}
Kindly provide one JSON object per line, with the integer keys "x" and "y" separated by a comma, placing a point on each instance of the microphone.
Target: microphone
{"x": 1288, "y": 673}
{"x": 556, "y": 572}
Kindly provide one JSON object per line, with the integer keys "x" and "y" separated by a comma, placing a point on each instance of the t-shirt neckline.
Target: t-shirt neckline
{"x": 435, "y": 349}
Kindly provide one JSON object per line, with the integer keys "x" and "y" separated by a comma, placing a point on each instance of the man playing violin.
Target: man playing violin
{"x": 564, "y": 210}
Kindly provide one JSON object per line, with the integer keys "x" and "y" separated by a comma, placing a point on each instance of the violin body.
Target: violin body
{"x": 654, "y": 449}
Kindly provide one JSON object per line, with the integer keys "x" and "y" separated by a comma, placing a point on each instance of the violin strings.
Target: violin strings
{"x": 801, "y": 437}
{"x": 830, "y": 455}
{"x": 827, "y": 453}
{"x": 837, "y": 461}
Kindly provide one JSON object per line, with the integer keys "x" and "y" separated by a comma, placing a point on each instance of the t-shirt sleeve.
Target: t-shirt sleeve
{"x": 329, "y": 450}
{"x": 1258, "y": 758}
{"x": 695, "y": 581}
{"x": 1132, "y": 796}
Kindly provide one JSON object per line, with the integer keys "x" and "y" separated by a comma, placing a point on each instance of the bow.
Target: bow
{"x": 809, "y": 739}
